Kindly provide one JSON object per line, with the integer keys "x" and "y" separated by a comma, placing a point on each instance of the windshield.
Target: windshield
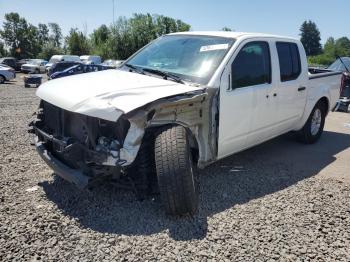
{"x": 192, "y": 58}
{"x": 54, "y": 60}
{"x": 339, "y": 66}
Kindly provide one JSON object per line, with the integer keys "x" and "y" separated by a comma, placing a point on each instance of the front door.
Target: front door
{"x": 247, "y": 75}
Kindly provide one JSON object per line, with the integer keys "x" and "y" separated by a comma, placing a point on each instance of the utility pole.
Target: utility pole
{"x": 113, "y": 12}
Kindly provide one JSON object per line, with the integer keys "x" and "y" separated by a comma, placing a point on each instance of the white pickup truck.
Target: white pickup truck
{"x": 183, "y": 101}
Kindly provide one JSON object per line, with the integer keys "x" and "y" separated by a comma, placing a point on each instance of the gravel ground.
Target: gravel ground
{"x": 278, "y": 201}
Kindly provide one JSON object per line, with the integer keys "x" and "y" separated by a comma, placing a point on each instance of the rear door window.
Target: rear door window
{"x": 252, "y": 66}
{"x": 289, "y": 60}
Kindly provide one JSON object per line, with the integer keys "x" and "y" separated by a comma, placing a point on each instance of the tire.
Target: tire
{"x": 143, "y": 170}
{"x": 177, "y": 176}
{"x": 26, "y": 85}
{"x": 313, "y": 128}
{"x": 2, "y": 79}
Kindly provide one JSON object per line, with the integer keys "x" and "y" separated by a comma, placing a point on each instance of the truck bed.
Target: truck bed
{"x": 315, "y": 72}
{"x": 327, "y": 80}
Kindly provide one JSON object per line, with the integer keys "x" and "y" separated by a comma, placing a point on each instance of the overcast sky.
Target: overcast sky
{"x": 267, "y": 16}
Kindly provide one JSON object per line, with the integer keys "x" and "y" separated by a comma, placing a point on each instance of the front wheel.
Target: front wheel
{"x": 176, "y": 172}
{"x": 313, "y": 127}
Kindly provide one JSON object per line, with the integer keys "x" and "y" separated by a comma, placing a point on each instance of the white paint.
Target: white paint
{"x": 252, "y": 115}
{"x": 108, "y": 94}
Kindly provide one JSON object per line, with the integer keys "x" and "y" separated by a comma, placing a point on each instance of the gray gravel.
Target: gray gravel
{"x": 278, "y": 201}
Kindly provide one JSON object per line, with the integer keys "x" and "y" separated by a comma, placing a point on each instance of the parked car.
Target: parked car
{"x": 91, "y": 59}
{"x": 9, "y": 61}
{"x": 21, "y": 62}
{"x": 184, "y": 101}
{"x": 32, "y": 80}
{"x": 13, "y": 62}
{"x": 3, "y": 65}
{"x": 34, "y": 66}
{"x": 113, "y": 63}
{"x": 60, "y": 58}
{"x": 6, "y": 74}
{"x": 343, "y": 64}
{"x": 60, "y": 66}
{"x": 79, "y": 69}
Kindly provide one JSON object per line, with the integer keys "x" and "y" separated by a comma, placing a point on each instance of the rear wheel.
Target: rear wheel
{"x": 177, "y": 176}
{"x": 313, "y": 127}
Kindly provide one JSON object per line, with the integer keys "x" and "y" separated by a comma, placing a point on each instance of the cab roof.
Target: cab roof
{"x": 230, "y": 34}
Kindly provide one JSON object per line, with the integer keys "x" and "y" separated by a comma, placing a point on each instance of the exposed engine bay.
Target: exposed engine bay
{"x": 81, "y": 142}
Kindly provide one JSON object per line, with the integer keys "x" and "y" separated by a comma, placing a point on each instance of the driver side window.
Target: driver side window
{"x": 252, "y": 65}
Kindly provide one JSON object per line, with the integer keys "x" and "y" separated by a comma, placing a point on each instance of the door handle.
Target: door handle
{"x": 302, "y": 88}
{"x": 229, "y": 83}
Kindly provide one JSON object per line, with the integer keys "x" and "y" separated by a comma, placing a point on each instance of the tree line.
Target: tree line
{"x": 122, "y": 38}
{"x": 21, "y": 39}
{"x": 318, "y": 55}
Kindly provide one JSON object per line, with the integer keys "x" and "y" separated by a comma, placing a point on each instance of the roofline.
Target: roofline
{"x": 234, "y": 35}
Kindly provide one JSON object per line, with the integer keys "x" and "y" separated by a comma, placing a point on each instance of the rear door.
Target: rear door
{"x": 292, "y": 86}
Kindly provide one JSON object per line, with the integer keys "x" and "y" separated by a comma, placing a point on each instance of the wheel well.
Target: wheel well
{"x": 324, "y": 101}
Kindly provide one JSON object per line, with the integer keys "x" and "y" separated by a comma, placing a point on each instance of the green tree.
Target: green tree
{"x": 19, "y": 36}
{"x": 77, "y": 43}
{"x": 311, "y": 38}
{"x": 99, "y": 41}
{"x": 227, "y": 29}
{"x": 48, "y": 50}
{"x": 55, "y": 34}
{"x": 3, "y": 51}
{"x": 128, "y": 35}
{"x": 43, "y": 34}
{"x": 342, "y": 46}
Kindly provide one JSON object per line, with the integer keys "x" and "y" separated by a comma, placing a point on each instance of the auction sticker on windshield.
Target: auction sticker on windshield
{"x": 213, "y": 47}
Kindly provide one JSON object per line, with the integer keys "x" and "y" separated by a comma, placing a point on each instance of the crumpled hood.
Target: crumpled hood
{"x": 108, "y": 94}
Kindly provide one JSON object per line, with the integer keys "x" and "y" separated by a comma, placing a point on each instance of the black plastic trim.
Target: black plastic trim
{"x": 72, "y": 175}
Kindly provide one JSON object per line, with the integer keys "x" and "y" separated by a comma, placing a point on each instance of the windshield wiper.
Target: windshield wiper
{"x": 166, "y": 75}
{"x": 135, "y": 68}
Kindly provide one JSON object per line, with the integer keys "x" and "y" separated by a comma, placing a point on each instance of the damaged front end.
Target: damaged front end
{"x": 82, "y": 148}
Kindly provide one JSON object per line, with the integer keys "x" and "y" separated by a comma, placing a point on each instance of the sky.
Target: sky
{"x": 263, "y": 16}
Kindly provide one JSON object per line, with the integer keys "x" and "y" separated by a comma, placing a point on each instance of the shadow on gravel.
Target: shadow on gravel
{"x": 254, "y": 173}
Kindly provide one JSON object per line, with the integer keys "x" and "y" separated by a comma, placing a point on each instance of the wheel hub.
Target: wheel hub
{"x": 316, "y": 121}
